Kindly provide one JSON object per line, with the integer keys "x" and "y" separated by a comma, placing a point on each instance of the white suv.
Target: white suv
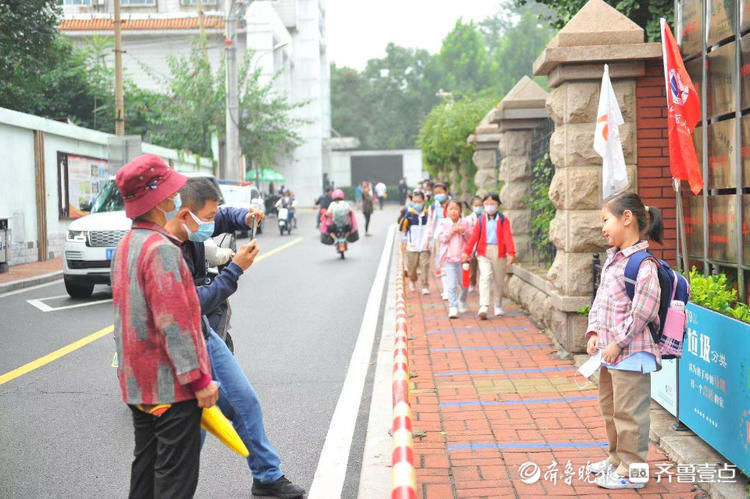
{"x": 243, "y": 196}
{"x": 91, "y": 240}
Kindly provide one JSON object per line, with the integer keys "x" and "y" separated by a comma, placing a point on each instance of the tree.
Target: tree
{"x": 464, "y": 59}
{"x": 645, "y": 13}
{"x": 194, "y": 110}
{"x": 521, "y": 42}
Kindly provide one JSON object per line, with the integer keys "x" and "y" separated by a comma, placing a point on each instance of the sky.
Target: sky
{"x": 359, "y": 30}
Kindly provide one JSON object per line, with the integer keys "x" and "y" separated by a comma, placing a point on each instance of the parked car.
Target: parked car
{"x": 91, "y": 240}
{"x": 243, "y": 196}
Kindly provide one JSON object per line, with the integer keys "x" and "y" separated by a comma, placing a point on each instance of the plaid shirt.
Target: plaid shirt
{"x": 160, "y": 345}
{"x": 614, "y": 317}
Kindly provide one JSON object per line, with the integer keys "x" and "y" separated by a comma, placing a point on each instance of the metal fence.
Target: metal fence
{"x": 542, "y": 170}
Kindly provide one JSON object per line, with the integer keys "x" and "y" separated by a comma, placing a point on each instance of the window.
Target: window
{"x": 74, "y": 2}
{"x": 717, "y": 48}
{"x": 195, "y": 2}
{"x": 132, "y": 3}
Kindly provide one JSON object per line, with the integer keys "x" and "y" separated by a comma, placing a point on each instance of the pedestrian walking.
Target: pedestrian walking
{"x": 493, "y": 242}
{"x": 382, "y": 192}
{"x": 477, "y": 209}
{"x": 414, "y": 232}
{"x": 358, "y": 194}
{"x": 437, "y": 209}
{"x": 367, "y": 207}
{"x": 618, "y": 330}
{"x": 403, "y": 190}
{"x": 452, "y": 234}
{"x": 164, "y": 369}
{"x": 322, "y": 203}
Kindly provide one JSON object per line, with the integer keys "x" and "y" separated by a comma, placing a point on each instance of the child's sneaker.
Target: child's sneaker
{"x": 613, "y": 481}
{"x": 453, "y": 313}
{"x": 499, "y": 311}
{"x": 444, "y": 296}
{"x": 425, "y": 291}
{"x": 462, "y": 308}
{"x": 598, "y": 467}
{"x": 411, "y": 287}
{"x": 483, "y": 313}
{"x": 472, "y": 288}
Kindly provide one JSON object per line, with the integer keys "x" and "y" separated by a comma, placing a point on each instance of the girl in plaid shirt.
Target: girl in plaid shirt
{"x": 619, "y": 328}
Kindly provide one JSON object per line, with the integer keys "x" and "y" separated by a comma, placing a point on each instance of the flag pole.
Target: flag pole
{"x": 681, "y": 225}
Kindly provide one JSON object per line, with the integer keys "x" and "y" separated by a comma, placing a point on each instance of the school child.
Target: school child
{"x": 618, "y": 326}
{"x": 437, "y": 210}
{"x": 477, "y": 209}
{"x": 414, "y": 228}
{"x": 451, "y": 234}
{"x": 493, "y": 242}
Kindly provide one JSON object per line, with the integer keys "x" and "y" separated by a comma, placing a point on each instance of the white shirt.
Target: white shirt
{"x": 380, "y": 189}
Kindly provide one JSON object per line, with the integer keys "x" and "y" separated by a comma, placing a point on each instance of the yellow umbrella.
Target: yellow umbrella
{"x": 214, "y": 421}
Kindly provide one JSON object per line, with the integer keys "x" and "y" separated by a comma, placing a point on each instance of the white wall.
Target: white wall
{"x": 17, "y": 178}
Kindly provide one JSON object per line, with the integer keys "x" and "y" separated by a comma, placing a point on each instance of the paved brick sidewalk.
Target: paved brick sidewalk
{"x": 491, "y": 395}
{"x": 18, "y": 272}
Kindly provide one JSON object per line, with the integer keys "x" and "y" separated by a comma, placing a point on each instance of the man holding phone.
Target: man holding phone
{"x": 199, "y": 219}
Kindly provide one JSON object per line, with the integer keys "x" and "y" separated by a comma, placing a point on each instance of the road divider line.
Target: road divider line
{"x": 263, "y": 256}
{"x": 61, "y": 352}
{"x": 334, "y": 458}
{"x": 51, "y": 357}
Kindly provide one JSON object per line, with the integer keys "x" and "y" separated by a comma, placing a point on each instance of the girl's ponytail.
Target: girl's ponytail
{"x": 648, "y": 218}
{"x": 655, "y": 229}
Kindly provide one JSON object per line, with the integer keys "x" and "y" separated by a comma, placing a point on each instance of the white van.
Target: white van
{"x": 92, "y": 239}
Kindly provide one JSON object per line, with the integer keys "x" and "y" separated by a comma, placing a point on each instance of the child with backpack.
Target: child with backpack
{"x": 414, "y": 233}
{"x": 477, "y": 210}
{"x": 493, "y": 242}
{"x": 451, "y": 234}
{"x": 619, "y": 328}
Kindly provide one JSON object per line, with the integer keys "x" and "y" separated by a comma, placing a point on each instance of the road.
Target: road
{"x": 296, "y": 316}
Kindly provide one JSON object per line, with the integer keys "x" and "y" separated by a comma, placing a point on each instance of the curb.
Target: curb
{"x": 30, "y": 281}
{"x": 403, "y": 478}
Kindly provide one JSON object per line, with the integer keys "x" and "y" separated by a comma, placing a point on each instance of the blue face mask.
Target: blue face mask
{"x": 478, "y": 210}
{"x": 418, "y": 206}
{"x": 177, "y": 200}
{"x": 409, "y": 204}
{"x": 441, "y": 197}
{"x": 204, "y": 232}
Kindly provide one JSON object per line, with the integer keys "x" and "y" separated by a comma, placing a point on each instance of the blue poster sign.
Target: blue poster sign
{"x": 715, "y": 383}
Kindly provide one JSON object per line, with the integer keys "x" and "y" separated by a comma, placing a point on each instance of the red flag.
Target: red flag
{"x": 684, "y": 111}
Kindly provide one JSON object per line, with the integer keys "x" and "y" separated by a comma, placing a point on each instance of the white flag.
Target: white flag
{"x": 607, "y": 139}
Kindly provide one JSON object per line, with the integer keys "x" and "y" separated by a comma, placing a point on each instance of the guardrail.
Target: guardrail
{"x": 403, "y": 478}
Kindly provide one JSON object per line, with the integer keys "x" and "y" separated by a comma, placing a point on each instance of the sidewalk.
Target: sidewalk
{"x": 488, "y": 396}
{"x": 30, "y": 274}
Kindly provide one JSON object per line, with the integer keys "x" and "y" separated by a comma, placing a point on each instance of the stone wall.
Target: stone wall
{"x": 515, "y": 173}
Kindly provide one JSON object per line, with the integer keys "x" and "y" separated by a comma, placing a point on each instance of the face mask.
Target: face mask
{"x": 204, "y": 232}
{"x": 491, "y": 209}
{"x": 589, "y": 367}
{"x": 409, "y": 204}
{"x": 478, "y": 210}
{"x": 177, "y": 200}
{"x": 418, "y": 207}
{"x": 441, "y": 197}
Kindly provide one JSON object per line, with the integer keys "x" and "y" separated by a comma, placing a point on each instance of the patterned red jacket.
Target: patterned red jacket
{"x": 160, "y": 347}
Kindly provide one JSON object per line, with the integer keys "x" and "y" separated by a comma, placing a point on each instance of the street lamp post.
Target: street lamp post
{"x": 232, "y": 166}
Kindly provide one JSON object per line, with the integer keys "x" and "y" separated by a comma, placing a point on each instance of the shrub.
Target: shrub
{"x": 714, "y": 292}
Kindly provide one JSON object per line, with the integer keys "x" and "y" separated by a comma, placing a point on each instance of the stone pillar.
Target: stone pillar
{"x": 486, "y": 138}
{"x": 574, "y": 62}
{"x": 516, "y": 117}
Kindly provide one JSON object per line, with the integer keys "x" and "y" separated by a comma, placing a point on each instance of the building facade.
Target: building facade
{"x": 287, "y": 39}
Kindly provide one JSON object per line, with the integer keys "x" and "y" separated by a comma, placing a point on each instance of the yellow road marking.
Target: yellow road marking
{"x": 263, "y": 256}
{"x": 51, "y": 357}
{"x": 61, "y": 352}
